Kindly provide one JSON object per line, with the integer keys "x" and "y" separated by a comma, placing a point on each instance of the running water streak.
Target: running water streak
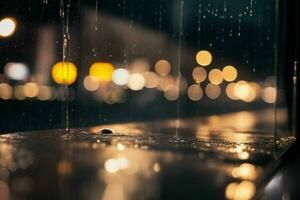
{"x": 96, "y": 15}
{"x": 180, "y": 35}
{"x": 125, "y": 55}
{"x": 64, "y": 13}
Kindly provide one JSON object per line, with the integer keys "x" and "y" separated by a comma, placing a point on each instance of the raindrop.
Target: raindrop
{"x": 199, "y": 20}
{"x": 106, "y": 131}
{"x": 179, "y": 63}
{"x": 225, "y": 6}
{"x": 240, "y": 22}
{"x": 251, "y": 7}
{"x": 96, "y": 15}
{"x": 66, "y": 53}
{"x": 61, "y": 9}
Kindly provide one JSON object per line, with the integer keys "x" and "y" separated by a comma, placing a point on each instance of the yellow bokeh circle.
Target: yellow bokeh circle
{"x": 64, "y": 73}
{"x": 102, "y": 71}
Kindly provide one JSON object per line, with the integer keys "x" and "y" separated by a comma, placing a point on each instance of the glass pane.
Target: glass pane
{"x": 84, "y": 63}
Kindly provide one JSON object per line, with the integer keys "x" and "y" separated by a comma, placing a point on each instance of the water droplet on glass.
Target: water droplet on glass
{"x": 106, "y": 131}
{"x": 96, "y": 15}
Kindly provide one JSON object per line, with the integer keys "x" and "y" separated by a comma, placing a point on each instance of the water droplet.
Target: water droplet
{"x": 251, "y": 7}
{"x": 106, "y": 131}
{"x": 96, "y": 15}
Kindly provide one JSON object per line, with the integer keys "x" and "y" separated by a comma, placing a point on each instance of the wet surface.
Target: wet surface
{"x": 152, "y": 160}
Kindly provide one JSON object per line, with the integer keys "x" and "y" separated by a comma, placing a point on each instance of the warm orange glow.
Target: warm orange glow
{"x": 120, "y": 146}
{"x": 90, "y": 83}
{"x": 163, "y": 67}
{"x": 215, "y": 76}
{"x": 242, "y": 90}
{"x": 171, "y": 92}
{"x": 152, "y": 79}
{"x": 204, "y": 58}
{"x": 251, "y": 96}
{"x": 31, "y": 90}
{"x": 7, "y": 27}
{"x": 195, "y": 92}
{"x": 245, "y": 171}
{"x": 136, "y": 82}
{"x": 199, "y": 74}
{"x": 19, "y": 92}
{"x": 113, "y": 165}
{"x": 230, "y": 91}
{"x": 102, "y": 71}
{"x": 229, "y": 73}
{"x": 212, "y": 91}
{"x": 165, "y": 82}
{"x": 269, "y": 94}
{"x": 64, "y": 167}
{"x": 244, "y": 190}
{"x": 64, "y": 73}
{"x": 6, "y": 91}
{"x": 156, "y": 167}
{"x": 230, "y": 190}
{"x": 243, "y": 155}
{"x": 44, "y": 93}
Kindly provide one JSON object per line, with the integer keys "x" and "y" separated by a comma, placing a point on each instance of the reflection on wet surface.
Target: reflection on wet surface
{"x": 140, "y": 161}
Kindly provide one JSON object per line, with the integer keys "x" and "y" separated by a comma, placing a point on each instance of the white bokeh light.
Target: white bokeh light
{"x": 136, "y": 82}
{"x": 7, "y": 27}
{"x": 16, "y": 71}
{"x": 120, "y": 76}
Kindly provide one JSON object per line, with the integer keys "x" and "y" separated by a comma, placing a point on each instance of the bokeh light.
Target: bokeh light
{"x": 16, "y": 71}
{"x": 269, "y": 94}
{"x": 19, "y": 92}
{"x": 251, "y": 96}
{"x": 204, "y": 58}
{"x": 113, "y": 165}
{"x": 199, "y": 74}
{"x": 195, "y": 92}
{"x": 163, "y": 67}
{"x": 171, "y": 93}
{"x": 120, "y": 76}
{"x": 31, "y": 90}
{"x": 6, "y": 91}
{"x": 230, "y": 73}
{"x": 230, "y": 190}
{"x": 136, "y": 82}
{"x": 64, "y": 73}
{"x": 212, "y": 91}
{"x": 139, "y": 65}
{"x": 245, "y": 171}
{"x": 165, "y": 82}
{"x": 215, "y": 76}
{"x": 242, "y": 90}
{"x": 230, "y": 91}
{"x": 243, "y": 155}
{"x": 152, "y": 79}
{"x": 244, "y": 190}
{"x": 102, "y": 71}
{"x": 64, "y": 167}
{"x": 45, "y": 93}
{"x": 7, "y": 27}
{"x": 156, "y": 167}
{"x": 90, "y": 83}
